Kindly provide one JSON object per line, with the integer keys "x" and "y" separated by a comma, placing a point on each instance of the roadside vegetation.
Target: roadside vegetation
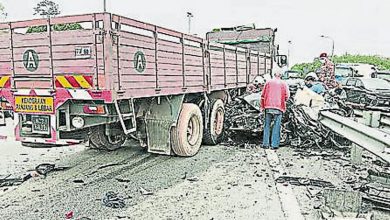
{"x": 381, "y": 63}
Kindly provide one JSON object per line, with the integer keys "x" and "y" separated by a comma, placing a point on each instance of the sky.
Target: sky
{"x": 356, "y": 26}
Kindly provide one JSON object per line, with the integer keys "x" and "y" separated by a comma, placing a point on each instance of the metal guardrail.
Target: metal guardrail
{"x": 371, "y": 139}
{"x": 384, "y": 120}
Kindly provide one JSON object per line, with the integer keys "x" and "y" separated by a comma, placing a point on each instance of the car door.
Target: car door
{"x": 349, "y": 89}
{"x": 360, "y": 92}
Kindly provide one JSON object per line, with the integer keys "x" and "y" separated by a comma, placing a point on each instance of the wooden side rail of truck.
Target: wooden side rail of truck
{"x": 112, "y": 78}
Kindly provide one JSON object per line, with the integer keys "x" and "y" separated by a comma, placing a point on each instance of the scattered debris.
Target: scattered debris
{"x": 123, "y": 180}
{"x": 341, "y": 204}
{"x": 113, "y": 200}
{"x": 45, "y": 168}
{"x": 145, "y": 192}
{"x": 377, "y": 190}
{"x": 69, "y": 215}
{"x": 10, "y": 180}
{"x": 78, "y": 181}
{"x": 301, "y": 181}
{"x": 193, "y": 179}
{"x": 108, "y": 165}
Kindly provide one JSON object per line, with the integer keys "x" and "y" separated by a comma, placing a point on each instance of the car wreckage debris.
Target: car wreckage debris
{"x": 40, "y": 170}
{"x": 301, "y": 181}
{"x": 377, "y": 190}
{"x": 245, "y": 121}
{"x": 113, "y": 200}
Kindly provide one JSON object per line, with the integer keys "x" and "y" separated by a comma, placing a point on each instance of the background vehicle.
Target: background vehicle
{"x": 292, "y": 74}
{"x": 368, "y": 91}
{"x": 342, "y": 72}
{"x": 117, "y": 78}
{"x": 360, "y": 69}
{"x": 383, "y": 75}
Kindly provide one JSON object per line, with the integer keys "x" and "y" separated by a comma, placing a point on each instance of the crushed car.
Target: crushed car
{"x": 368, "y": 91}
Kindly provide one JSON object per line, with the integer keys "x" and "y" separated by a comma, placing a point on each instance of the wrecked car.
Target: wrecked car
{"x": 368, "y": 91}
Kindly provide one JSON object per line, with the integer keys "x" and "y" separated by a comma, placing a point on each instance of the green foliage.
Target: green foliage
{"x": 47, "y": 8}
{"x": 305, "y": 68}
{"x": 2, "y": 11}
{"x": 56, "y": 27}
{"x": 381, "y": 63}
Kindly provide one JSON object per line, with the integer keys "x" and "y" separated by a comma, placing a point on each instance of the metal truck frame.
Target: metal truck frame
{"x": 115, "y": 78}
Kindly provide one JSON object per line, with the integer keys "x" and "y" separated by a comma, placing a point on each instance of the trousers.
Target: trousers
{"x": 273, "y": 117}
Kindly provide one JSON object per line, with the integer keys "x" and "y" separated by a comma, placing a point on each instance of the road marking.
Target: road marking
{"x": 289, "y": 203}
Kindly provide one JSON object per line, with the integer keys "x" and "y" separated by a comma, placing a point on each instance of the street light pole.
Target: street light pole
{"x": 324, "y": 36}
{"x": 288, "y": 54}
{"x": 189, "y": 16}
{"x": 104, "y": 6}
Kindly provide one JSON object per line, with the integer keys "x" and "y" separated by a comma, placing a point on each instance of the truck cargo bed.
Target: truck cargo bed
{"x": 127, "y": 58}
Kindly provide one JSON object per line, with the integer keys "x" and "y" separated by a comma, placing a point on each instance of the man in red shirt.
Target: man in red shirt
{"x": 273, "y": 100}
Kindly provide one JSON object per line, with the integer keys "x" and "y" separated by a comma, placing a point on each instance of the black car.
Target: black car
{"x": 368, "y": 91}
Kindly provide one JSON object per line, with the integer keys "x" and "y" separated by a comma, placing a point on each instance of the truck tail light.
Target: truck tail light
{"x": 96, "y": 109}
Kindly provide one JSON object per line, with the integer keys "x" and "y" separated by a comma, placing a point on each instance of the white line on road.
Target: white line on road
{"x": 288, "y": 200}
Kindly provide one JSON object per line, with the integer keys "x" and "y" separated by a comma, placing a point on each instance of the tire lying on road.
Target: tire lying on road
{"x": 213, "y": 134}
{"x": 187, "y": 135}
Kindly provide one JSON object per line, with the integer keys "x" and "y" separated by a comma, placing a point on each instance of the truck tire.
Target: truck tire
{"x": 187, "y": 135}
{"x": 213, "y": 134}
{"x": 99, "y": 140}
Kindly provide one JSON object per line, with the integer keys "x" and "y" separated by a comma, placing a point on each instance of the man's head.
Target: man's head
{"x": 309, "y": 81}
{"x": 277, "y": 72}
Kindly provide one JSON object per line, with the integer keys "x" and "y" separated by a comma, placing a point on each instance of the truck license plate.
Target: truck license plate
{"x": 40, "y": 124}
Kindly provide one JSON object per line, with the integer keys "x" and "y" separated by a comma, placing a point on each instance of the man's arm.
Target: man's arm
{"x": 263, "y": 94}
{"x": 287, "y": 91}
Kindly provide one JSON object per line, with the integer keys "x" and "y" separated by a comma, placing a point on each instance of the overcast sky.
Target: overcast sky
{"x": 357, "y": 26}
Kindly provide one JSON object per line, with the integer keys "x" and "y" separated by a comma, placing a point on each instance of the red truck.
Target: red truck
{"x": 114, "y": 78}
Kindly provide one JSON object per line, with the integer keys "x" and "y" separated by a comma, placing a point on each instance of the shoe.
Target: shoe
{"x": 264, "y": 147}
{"x": 274, "y": 148}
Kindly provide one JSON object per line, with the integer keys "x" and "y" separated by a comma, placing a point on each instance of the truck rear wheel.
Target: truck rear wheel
{"x": 99, "y": 140}
{"x": 187, "y": 135}
{"x": 213, "y": 134}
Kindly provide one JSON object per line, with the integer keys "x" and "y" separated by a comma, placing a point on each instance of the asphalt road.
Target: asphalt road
{"x": 220, "y": 182}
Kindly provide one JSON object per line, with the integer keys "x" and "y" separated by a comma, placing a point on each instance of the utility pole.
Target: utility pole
{"x": 288, "y": 54}
{"x": 189, "y": 16}
{"x": 324, "y": 36}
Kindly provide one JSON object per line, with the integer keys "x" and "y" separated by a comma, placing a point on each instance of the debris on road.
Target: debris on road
{"x": 301, "y": 181}
{"x": 145, "y": 192}
{"x": 11, "y": 180}
{"x": 193, "y": 179}
{"x": 377, "y": 190}
{"x": 113, "y": 200}
{"x": 69, "y": 215}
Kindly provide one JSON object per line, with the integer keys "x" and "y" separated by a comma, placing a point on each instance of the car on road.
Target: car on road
{"x": 292, "y": 74}
{"x": 342, "y": 72}
{"x": 383, "y": 75}
{"x": 368, "y": 91}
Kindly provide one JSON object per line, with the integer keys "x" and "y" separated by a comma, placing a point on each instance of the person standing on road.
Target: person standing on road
{"x": 273, "y": 100}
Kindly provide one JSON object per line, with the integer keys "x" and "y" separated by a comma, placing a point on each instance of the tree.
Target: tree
{"x": 47, "y": 8}
{"x": 381, "y": 63}
{"x": 3, "y": 14}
